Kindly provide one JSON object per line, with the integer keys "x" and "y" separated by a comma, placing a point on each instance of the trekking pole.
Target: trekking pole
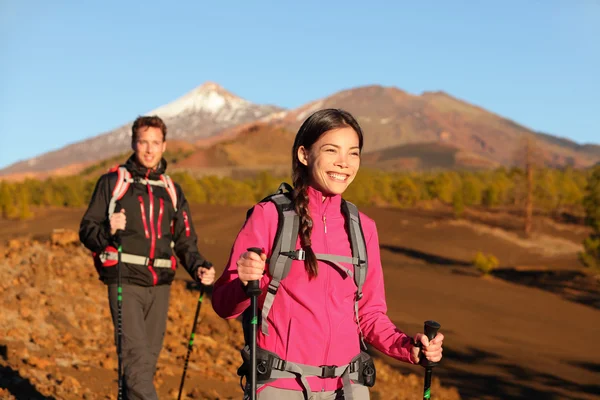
{"x": 431, "y": 329}
{"x": 207, "y": 265}
{"x": 253, "y": 291}
{"x": 119, "y": 315}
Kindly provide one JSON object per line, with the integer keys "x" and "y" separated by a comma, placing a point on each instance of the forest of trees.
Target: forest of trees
{"x": 590, "y": 256}
{"x": 550, "y": 191}
{"x": 553, "y": 190}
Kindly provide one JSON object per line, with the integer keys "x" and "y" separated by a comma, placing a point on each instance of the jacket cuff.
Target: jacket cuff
{"x": 105, "y": 233}
{"x": 194, "y": 273}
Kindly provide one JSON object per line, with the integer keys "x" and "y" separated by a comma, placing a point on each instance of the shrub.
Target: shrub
{"x": 485, "y": 263}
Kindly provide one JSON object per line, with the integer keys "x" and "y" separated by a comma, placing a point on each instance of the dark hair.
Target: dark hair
{"x": 311, "y": 130}
{"x": 153, "y": 121}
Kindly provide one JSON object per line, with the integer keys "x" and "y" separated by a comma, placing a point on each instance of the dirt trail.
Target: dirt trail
{"x": 528, "y": 332}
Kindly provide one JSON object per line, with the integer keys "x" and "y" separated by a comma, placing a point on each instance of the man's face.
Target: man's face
{"x": 149, "y": 147}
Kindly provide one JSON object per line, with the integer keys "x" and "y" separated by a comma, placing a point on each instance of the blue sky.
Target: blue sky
{"x": 73, "y": 69}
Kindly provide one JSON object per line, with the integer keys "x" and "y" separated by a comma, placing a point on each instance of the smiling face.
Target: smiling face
{"x": 333, "y": 160}
{"x": 149, "y": 146}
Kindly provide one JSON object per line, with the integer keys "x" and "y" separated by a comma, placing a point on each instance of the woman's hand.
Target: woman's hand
{"x": 432, "y": 350}
{"x": 250, "y": 266}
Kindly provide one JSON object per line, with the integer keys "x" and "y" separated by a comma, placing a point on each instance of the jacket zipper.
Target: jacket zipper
{"x": 326, "y": 270}
{"x": 152, "y": 235}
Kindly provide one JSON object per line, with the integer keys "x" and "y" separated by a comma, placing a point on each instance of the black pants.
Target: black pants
{"x": 143, "y": 320}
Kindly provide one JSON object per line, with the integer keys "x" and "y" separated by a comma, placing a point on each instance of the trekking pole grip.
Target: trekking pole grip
{"x": 253, "y": 287}
{"x": 431, "y": 329}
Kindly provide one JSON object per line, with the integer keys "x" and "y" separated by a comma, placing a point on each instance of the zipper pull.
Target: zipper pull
{"x": 325, "y": 223}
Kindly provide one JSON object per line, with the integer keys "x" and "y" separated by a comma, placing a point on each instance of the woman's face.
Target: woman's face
{"x": 333, "y": 160}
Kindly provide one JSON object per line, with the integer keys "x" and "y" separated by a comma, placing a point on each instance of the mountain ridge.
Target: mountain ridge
{"x": 390, "y": 117}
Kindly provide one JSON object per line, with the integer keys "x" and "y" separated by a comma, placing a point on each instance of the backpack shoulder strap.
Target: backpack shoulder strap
{"x": 171, "y": 189}
{"x": 121, "y": 186}
{"x": 357, "y": 241}
{"x": 283, "y": 251}
{"x": 284, "y": 247}
{"x": 359, "y": 252}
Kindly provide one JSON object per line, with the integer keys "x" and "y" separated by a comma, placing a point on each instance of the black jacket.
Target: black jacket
{"x": 142, "y": 231}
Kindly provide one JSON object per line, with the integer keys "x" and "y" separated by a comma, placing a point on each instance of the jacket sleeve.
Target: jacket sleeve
{"x": 376, "y": 326}
{"x": 94, "y": 229}
{"x": 229, "y": 298}
{"x": 185, "y": 238}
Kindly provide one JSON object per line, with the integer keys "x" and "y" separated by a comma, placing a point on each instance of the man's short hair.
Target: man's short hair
{"x": 153, "y": 121}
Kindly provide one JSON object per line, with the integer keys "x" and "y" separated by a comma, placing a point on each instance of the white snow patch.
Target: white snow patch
{"x": 279, "y": 115}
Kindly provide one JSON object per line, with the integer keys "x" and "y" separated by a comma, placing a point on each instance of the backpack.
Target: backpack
{"x": 284, "y": 251}
{"x": 108, "y": 257}
{"x": 269, "y": 365}
{"x": 124, "y": 179}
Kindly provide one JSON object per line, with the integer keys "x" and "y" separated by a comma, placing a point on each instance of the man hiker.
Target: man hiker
{"x": 136, "y": 221}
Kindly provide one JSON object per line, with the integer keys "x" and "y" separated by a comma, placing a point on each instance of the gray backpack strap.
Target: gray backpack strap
{"x": 336, "y": 260}
{"x": 282, "y": 254}
{"x": 359, "y": 247}
{"x": 290, "y": 370}
{"x": 121, "y": 186}
{"x": 359, "y": 251}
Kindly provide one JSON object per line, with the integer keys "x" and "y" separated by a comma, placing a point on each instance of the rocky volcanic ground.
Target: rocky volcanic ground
{"x": 56, "y": 335}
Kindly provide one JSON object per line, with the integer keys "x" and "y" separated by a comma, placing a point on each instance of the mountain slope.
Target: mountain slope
{"x": 431, "y": 130}
{"x": 392, "y": 117}
{"x": 201, "y": 113}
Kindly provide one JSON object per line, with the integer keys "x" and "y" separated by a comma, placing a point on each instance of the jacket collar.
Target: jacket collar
{"x": 323, "y": 204}
{"x": 139, "y": 171}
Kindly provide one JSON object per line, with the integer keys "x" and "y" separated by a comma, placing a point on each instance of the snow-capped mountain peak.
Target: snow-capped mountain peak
{"x": 204, "y": 111}
{"x": 209, "y": 98}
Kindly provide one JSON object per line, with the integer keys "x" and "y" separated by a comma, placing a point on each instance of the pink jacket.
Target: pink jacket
{"x": 312, "y": 322}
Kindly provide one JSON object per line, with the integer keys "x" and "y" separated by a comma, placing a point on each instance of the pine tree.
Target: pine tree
{"x": 8, "y": 207}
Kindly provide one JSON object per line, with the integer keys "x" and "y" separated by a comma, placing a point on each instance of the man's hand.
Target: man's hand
{"x": 206, "y": 276}
{"x": 118, "y": 221}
